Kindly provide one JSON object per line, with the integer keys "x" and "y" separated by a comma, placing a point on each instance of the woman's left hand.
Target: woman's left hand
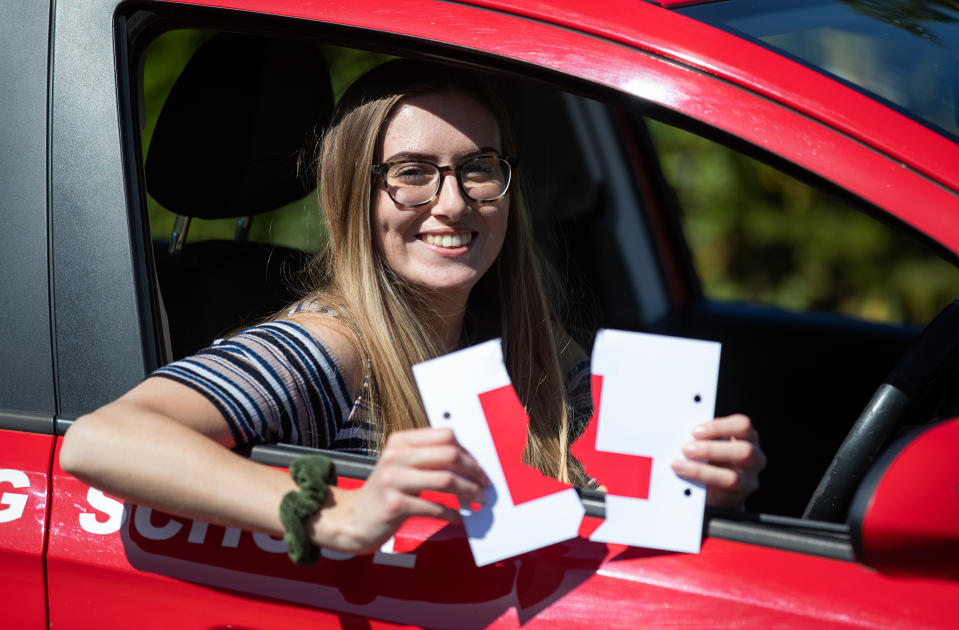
{"x": 726, "y": 457}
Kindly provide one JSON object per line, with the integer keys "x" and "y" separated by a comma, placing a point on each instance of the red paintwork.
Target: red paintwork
{"x": 22, "y": 595}
{"x": 109, "y": 580}
{"x": 822, "y": 146}
{"x": 911, "y": 524}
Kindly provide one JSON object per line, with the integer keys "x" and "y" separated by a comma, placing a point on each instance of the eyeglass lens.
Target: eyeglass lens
{"x": 482, "y": 179}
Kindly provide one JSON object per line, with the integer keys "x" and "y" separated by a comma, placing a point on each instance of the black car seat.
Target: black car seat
{"x": 225, "y": 146}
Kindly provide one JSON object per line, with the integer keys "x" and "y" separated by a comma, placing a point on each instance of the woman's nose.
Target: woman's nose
{"x": 451, "y": 201}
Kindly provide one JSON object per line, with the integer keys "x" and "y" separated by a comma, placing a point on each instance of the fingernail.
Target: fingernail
{"x": 691, "y": 449}
{"x": 699, "y": 431}
{"x": 678, "y": 466}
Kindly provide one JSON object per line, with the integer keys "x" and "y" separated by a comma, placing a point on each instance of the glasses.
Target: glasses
{"x": 412, "y": 183}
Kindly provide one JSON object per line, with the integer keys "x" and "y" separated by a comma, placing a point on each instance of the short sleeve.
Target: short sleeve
{"x": 273, "y": 383}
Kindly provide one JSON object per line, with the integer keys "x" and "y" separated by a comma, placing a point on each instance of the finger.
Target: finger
{"x": 422, "y": 507}
{"x": 716, "y": 477}
{"x": 415, "y": 481}
{"x": 735, "y": 426}
{"x": 421, "y": 437}
{"x": 432, "y": 448}
{"x": 442, "y": 457}
{"x": 739, "y": 454}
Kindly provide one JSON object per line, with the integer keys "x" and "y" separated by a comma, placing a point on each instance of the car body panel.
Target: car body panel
{"x": 26, "y": 385}
{"x": 24, "y": 488}
{"x": 99, "y": 559}
{"x": 89, "y": 208}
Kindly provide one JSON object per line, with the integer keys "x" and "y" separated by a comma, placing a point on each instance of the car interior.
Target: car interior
{"x": 227, "y": 151}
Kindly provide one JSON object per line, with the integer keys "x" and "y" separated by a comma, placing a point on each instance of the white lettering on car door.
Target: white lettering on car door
{"x": 115, "y": 511}
{"x": 14, "y": 501}
{"x": 117, "y": 514}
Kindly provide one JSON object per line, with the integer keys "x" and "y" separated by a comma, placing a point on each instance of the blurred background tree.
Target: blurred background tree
{"x": 758, "y": 235}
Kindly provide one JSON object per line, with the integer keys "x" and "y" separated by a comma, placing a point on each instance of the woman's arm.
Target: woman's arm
{"x": 165, "y": 445}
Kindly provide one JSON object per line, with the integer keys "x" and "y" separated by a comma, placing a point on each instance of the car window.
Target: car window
{"x": 759, "y": 235}
{"x": 755, "y": 235}
{"x": 563, "y": 198}
{"x": 906, "y": 56}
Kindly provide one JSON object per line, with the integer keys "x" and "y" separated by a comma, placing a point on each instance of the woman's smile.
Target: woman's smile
{"x": 454, "y": 241}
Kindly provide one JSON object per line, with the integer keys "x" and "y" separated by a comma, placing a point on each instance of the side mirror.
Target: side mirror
{"x": 905, "y": 515}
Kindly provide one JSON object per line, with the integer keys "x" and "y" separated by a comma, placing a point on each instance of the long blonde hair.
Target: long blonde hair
{"x": 388, "y": 315}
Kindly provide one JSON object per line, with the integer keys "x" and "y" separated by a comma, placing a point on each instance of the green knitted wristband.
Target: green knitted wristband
{"x": 312, "y": 474}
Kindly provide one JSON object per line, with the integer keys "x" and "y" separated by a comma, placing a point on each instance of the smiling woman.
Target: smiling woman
{"x": 405, "y": 300}
{"x": 428, "y": 250}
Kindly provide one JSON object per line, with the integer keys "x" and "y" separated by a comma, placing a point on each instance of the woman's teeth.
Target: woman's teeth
{"x": 448, "y": 240}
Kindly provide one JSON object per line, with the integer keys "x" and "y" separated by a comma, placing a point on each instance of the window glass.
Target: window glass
{"x": 904, "y": 52}
{"x": 758, "y": 235}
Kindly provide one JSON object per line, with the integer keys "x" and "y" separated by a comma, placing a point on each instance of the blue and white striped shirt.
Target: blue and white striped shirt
{"x": 275, "y": 382}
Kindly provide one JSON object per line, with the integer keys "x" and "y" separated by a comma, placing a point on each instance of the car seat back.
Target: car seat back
{"x": 226, "y": 146}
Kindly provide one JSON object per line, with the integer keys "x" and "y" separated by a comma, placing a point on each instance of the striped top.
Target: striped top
{"x": 275, "y": 382}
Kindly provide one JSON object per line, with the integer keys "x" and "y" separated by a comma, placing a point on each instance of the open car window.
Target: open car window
{"x": 646, "y": 225}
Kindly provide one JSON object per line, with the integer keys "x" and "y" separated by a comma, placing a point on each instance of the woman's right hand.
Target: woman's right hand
{"x": 361, "y": 520}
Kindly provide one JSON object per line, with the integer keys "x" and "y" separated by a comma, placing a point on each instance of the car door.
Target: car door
{"x": 27, "y": 403}
{"x": 116, "y": 565}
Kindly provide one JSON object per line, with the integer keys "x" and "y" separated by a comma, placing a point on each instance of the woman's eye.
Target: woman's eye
{"x": 479, "y": 171}
{"x": 412, "y": 173}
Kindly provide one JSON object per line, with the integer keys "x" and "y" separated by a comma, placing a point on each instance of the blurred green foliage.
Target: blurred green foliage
{"x": 758, "y": 235}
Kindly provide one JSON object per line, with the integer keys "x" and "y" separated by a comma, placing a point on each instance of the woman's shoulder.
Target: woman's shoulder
{"x": 329, "y": 329}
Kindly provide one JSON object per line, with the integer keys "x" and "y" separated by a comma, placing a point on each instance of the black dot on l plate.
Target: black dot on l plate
{"x": 687, "y": 492}
{"x": 446, "y": 415}
{"x": 698, "y": 398}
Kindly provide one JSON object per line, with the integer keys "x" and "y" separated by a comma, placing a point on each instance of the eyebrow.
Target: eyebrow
{"x": 430, "y": 157}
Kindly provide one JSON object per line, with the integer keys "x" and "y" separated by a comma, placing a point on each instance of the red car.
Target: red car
{"x": 634, "y": 118}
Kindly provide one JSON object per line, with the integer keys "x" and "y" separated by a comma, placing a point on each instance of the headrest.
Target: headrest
{"x": 227, "y": 139}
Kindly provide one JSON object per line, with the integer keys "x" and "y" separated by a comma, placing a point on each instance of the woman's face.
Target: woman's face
{"x": 449, "y": 243}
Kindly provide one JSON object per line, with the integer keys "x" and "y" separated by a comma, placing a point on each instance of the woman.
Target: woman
{"x": 428, "y": 251}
